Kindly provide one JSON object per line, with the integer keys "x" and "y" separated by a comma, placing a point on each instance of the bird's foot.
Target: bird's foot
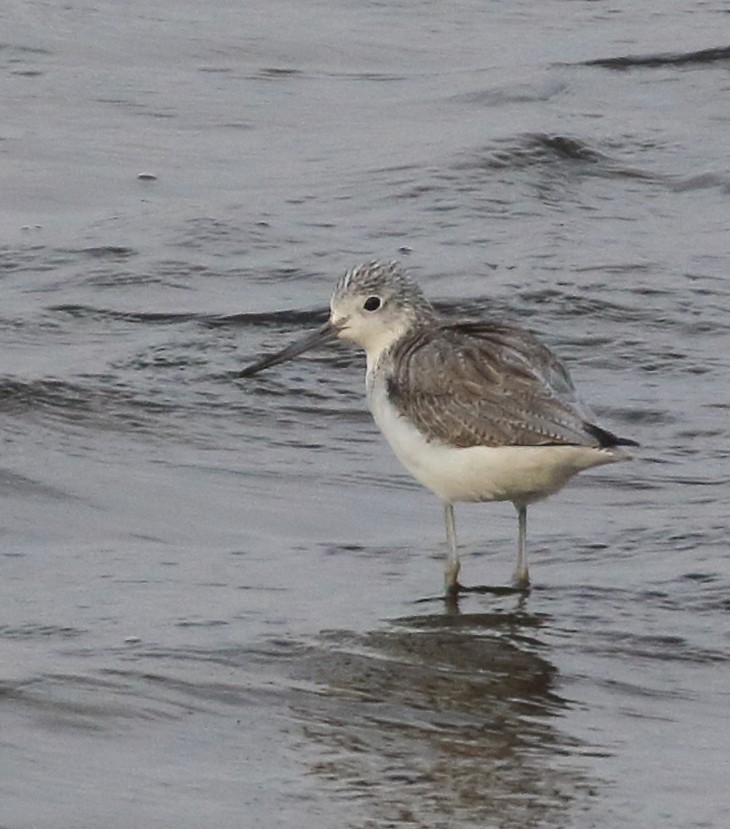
{"x": 451, "y": 577}
{"x": 453, "y": 588}
{"x": 521, "y": 579}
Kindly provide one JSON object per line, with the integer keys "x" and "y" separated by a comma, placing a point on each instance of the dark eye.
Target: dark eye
{"x": 372, "y": 303}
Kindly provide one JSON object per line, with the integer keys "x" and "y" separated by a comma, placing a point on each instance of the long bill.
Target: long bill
{"x": 325, "y": 334}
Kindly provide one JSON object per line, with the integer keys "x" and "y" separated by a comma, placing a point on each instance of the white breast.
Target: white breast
{"x": 521, "y": 474}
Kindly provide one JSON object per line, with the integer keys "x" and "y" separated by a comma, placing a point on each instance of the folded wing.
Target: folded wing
{"x": 482, "y": 384}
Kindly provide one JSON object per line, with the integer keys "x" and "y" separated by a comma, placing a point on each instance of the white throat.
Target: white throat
{"x": 373, "y": 336}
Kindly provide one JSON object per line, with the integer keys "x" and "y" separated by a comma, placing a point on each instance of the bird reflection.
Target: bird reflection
{"x": 443, "y": 717}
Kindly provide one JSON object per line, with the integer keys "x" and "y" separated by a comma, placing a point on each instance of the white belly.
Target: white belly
{"x": 521, "y": 474}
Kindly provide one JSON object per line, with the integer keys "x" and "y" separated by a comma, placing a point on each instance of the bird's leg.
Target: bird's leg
{"x": 521, "y": 578}
{"x": 451, "y": 573}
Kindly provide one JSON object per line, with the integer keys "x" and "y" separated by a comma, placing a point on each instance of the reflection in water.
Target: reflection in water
{"x": 442, "y": 719}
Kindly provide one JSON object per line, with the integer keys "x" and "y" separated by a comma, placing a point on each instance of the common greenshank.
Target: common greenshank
{"x": 475, "y": 411}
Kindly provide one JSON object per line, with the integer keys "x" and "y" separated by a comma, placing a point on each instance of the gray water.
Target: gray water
{"x": 219, "y": 599}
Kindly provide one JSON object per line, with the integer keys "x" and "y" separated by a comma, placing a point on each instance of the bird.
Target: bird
{"x": 476, "y": 411}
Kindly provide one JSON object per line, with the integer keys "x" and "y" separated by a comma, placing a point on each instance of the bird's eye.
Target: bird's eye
{"x": 372, "y": 303}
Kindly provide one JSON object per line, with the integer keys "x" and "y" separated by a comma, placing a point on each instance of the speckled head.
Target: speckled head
{"x": 376, "y": 304}
{"x": 373, "y": 305}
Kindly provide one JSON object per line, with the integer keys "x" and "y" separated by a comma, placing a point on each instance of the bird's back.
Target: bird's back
{"x": 487, "y": 384}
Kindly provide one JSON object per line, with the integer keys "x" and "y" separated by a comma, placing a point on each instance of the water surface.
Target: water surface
{"x": 220, "y": 599}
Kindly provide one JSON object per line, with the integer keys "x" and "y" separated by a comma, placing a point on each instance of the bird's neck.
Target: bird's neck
{"x": 379, "y": 347}
{"x": 379, "y": 353}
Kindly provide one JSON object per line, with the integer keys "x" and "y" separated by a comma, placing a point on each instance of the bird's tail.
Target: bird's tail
{"x": 606, "y": 439}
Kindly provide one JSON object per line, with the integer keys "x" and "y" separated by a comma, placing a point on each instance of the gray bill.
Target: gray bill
{"x": 325, "y": 334}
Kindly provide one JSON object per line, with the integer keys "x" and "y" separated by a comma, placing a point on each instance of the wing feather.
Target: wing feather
{"x": 483, "y": 384}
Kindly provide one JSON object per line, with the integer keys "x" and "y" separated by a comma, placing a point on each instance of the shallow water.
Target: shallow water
{"x": 220, "y": 598}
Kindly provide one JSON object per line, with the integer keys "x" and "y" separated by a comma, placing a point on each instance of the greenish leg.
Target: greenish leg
{"x": 521, "y": 578}
{"x": 451, "y": 574}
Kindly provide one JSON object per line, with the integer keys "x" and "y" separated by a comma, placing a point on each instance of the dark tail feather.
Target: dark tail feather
{"x": 607, "y": 439}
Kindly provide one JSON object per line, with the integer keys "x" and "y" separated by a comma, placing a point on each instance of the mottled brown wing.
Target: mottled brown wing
{"x": 481, "y": 384}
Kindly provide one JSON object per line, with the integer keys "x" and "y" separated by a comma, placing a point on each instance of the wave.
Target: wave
{"x": 548, "y": 149}
{"x": 701, "y": 57}
{"x": 253, "y": 319}
{"x": 112, "y": 407}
